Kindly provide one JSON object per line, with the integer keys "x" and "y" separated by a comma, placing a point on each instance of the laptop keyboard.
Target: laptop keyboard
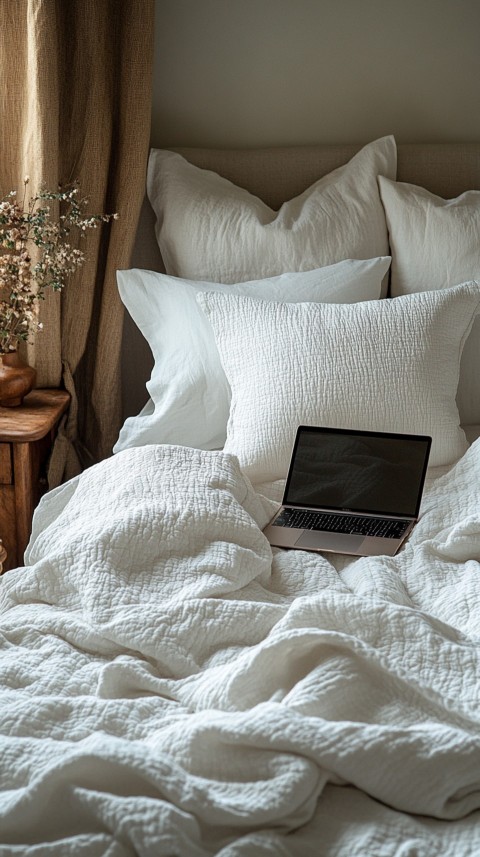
{"x": 305, "y": 519}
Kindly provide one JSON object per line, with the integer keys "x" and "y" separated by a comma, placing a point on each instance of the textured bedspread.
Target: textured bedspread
{"x": 167, "y": 689}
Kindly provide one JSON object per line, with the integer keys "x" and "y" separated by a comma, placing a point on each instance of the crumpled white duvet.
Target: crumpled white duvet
{"x": 167, "y": 689}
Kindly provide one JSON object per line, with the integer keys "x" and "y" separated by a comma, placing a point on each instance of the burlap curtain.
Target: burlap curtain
{"x": 75, "y": 105}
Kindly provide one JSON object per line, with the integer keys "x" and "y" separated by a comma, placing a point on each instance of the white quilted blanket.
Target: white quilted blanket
{"x": 167, "y": 689}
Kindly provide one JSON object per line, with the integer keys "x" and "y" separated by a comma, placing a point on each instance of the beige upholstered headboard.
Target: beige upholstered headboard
{"x": 276, "y": 175}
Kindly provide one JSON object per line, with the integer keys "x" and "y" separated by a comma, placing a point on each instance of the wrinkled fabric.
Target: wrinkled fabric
{"x": 169, "y": 685}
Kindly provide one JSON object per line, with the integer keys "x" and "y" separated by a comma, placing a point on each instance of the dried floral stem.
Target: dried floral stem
{"x": 31, "y": 230}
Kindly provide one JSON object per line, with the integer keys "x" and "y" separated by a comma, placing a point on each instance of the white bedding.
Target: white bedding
{"x": 167, "y": 689}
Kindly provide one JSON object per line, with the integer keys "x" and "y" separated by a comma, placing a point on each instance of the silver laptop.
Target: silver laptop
{"x": 353, "y": 492}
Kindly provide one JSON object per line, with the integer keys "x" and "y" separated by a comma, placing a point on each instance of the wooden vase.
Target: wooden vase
{"x": 17, "y": 378}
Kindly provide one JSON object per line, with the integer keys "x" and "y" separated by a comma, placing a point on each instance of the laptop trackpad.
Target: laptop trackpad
{"x": 314, "y": 540}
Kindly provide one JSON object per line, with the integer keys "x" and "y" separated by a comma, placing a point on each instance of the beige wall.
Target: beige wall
{"x": 261, "y": 72}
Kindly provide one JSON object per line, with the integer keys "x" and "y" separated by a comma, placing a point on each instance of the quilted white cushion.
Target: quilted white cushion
{"x": 435, "y": 244}
{"x": 190, "y": 396}
{"x": 388, "y": 365}
{"x": 209, "y": 229}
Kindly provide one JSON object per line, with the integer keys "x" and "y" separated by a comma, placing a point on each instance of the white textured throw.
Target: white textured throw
{"x": 168, "y": 690}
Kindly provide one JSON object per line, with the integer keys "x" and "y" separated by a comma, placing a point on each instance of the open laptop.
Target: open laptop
{"x": 353, "y": 492}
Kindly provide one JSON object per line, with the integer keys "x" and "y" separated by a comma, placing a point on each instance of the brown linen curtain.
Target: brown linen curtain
{"x": 75, "y": 78}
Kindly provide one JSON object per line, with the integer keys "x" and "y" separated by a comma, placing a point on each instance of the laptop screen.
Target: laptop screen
{"x": 357, "y": 471}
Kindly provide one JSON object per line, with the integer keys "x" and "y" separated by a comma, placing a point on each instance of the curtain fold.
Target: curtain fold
{"x": 76, "y": 79}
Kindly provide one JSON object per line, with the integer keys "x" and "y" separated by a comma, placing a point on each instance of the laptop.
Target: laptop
{"x": 352, "y": 492}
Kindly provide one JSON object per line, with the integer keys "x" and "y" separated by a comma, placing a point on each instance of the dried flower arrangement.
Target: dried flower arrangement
{"x": 23, "y": 279}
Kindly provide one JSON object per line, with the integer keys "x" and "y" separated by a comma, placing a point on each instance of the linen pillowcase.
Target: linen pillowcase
{"x": 388, "y": 365}
{"x": 435, "y": 244}
{"x": 190, "y": 396}
{"x": 212, "y": 230}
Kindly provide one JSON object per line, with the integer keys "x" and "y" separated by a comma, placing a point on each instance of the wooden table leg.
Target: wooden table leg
{"x": 25, "y": 494}
{"x": 3, "y": 556}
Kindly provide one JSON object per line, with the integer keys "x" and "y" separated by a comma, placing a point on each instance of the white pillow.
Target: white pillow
{"x": 435, "y": 244}
{"x": 388, "y": 365}
{"x": 190, "y": 396}
{"x": 209, "y": 229}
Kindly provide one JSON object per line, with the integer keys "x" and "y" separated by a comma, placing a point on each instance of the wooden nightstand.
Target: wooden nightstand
{"x": 26, "y": 437}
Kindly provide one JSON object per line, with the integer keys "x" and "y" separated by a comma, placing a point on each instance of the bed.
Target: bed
{"x": 169, "y": 683}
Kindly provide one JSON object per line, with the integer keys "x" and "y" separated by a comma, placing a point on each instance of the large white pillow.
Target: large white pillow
{"x": 190, "y": 396}
{"x": 387, "y": 365}
{"x": 435, "y": 244}
{"x": 209, "y": 229}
